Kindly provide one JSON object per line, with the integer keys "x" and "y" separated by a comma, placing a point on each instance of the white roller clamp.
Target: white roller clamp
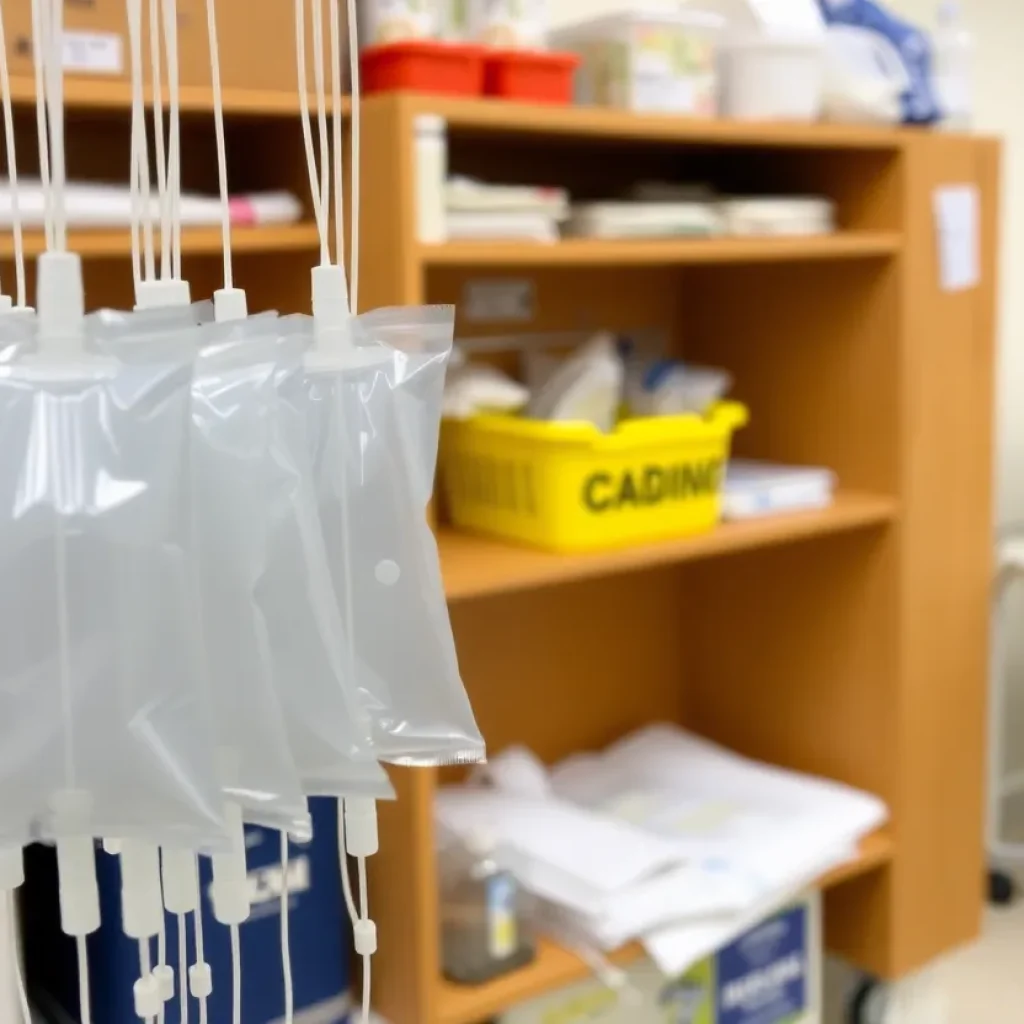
{"x": 230, "y": 889}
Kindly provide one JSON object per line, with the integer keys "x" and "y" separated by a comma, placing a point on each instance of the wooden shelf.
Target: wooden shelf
{"x": 477, "y": 567}
{"x": 556, "y": 967}
{"x": 81, "y": 93}
{"x": 604, "y": 123}
{"x": 194, "y": 241}
{"x": 587, "y": 252}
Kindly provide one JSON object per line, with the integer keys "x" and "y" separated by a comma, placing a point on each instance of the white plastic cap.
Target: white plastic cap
{"x": 142, "y": 911}
{"x": 181, "y": 886}
{"x": 161, "y": 294}
{"x": 200, "y": 981}
{"x": 230, "y": 889}
{"x": 60, "y": 300}
{"x": 361, "y": 839}
{"x": 12, "y": 868}
{"x": 148, "y": 1002}
{"x": 330, "y": 297}
{"x": 164, "y": 974}
{"x": 229, "y": 304}
{"x": 112, "y": 846}
{"x": 79, "y": 891}
{"x": 364, "y": 934}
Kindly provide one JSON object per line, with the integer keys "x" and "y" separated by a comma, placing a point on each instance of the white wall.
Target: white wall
{"x": 998, "y": 26}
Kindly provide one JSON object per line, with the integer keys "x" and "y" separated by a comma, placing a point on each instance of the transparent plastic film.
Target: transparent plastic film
{"x": 234, "y": 412}
{"x": 374, "y": 419}
{"x": 104, "y": 720}
{"x": 329, "y": 732}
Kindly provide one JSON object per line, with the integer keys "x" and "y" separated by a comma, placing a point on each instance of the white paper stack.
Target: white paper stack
{"x": 483, "y": 212}
{"x": 664, "y": 837}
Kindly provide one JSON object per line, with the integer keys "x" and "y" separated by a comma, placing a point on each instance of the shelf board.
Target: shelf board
{"x": 477, "y": 567}
{"x": 477, "y": 116}
{"x": 94, "y": 93}
{"x": 556, "y": 967}
{"x": 590, "y": 252}
{"x": 116, "y": 242}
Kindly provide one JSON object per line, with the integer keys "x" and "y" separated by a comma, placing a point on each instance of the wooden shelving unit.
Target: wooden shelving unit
{"x": 849, "y": 642}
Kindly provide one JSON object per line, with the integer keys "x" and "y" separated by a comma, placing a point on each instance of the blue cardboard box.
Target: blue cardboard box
{"x": 320, "y": 937}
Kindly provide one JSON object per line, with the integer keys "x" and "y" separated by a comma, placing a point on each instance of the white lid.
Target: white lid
{"x": 647, "y": 14}
{"x": 482, "y": 842}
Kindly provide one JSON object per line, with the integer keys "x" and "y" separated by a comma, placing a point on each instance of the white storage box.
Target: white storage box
{"x": 647, "y": 60}
{"x": 773, "y": 78}
{"x": 755, "y": 489}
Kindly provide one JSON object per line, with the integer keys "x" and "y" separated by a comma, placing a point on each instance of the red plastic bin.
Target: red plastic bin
{"x": 417, "y": 65}
{"x": 531, "y": 75}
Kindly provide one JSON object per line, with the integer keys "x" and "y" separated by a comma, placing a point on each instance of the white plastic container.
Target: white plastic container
{"x": 647, "y": 60}
{"x": 388, "y": 21}
{"x": 773, "y": 78}
{"x": 954, "y": 57}
{"x": 431, "y": 134}
{"x": 508, "y": 24}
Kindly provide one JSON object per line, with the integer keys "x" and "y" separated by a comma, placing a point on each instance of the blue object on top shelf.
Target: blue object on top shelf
{"x": 920, "y": 103}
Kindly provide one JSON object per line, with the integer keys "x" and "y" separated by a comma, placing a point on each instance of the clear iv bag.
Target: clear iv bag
{"x": 104, "y": 719}
{"x": 373, "y": 419}
{"x": 234, "y": 410}
{"x": 327, "y": 728}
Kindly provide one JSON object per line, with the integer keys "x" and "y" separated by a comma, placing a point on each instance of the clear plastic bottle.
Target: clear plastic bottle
{"x": 485, "y": 919}
{"x": 954, "y": 46}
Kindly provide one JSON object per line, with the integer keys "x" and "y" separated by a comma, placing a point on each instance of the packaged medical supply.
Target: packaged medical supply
{"x": 585, "y": 388}
{"x": 105, "y": 717}
{"x": 388, "y": 21}
{"x": 485, "y": 922}
{"x": 668, "y": 387}
{"x": 475, "y": 388}
{"x": 919, "y": 103}
{"x": 865, "y": 77}
{"x": 636, "y": 219}
{"x": 778, "y": 215}
{"x": 755, "y": 489}
{"x": 509, "y": 24}
{"x": 373, "y": 417}
{"x": 647, "y": 59}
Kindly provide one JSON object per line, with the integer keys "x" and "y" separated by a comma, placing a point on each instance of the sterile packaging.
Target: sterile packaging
{"x": 104, "y": 716}
{"x": 639, "y": 219}
{"x": 328, "y": 730}
{"x": 233, "y": 403}
{"x": 234, "y": 407}
{"x": 373, "y": 415}
{"x": 475, "y": 387}
{"x": 778, "y": 215}
{"x": 667, "y": 387}
{"x": 586, "y": 387}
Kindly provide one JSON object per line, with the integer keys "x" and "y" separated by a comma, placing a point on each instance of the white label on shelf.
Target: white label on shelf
{"x": 93, "y": 53}
{"x": 956, "y": 221}
{"x": 504, "y": 301}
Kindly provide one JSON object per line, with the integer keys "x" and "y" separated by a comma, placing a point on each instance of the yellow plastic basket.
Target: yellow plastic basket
{"x": 568, "y": 487}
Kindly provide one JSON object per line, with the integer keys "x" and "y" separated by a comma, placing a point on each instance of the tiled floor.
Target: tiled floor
{"x": 983, "y": 984}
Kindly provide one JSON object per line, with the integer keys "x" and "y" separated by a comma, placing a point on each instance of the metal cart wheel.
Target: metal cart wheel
{"x": 1002, "y": 889}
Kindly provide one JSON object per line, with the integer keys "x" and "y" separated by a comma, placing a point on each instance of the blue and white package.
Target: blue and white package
{"x": 920, "y": 103}
{"x": 320, "y": 936}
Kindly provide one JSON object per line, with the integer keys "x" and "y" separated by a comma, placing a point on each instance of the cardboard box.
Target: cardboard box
{"x": 256, "y": 40}
{"x": 772, "y": 974}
